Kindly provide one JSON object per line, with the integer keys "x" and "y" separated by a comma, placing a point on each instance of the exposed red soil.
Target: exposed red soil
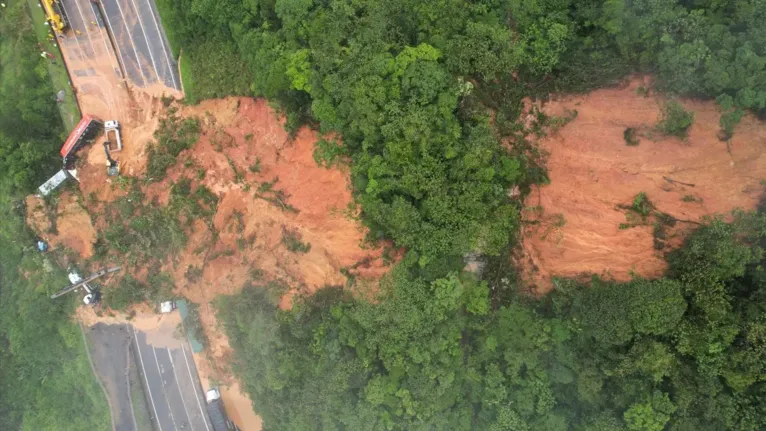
{"x": 74, "y": 228}
{"x": 248, "y": 229}
{"x": 593, "y": 171}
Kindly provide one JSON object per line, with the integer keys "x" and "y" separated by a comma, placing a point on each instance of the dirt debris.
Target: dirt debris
{"x": 576, "y": 218}
{"x": 267, "y": 183}
{"x": 69, "y": 227}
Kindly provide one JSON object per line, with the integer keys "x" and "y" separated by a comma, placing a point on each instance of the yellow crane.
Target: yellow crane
{"x": 55, "y": 15}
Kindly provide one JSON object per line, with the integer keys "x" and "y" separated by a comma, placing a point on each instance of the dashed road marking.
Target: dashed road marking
{"x": 183, "y": 401}
{"x": 162, "y": 42}
{"x": 170, "y": 408}
{"x": 148, "y": 45}
{"x": 199, "y": 403}
{"x": 132, "y": 44}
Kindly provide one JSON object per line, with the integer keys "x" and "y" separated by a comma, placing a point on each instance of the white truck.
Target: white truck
{"x": 113, "y": 127}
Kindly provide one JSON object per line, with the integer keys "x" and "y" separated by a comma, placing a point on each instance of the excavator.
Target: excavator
{"x": 55, "y": 15}
{"x": 112, "y": 166}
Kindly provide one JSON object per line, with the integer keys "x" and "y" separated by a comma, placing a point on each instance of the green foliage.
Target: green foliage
{"x": 643, "y": 355}
{"x": 213, "y": 69}
{"x": 630, "y": 137}
{"x": 410, "y": 87}
{"x": 154, "y": 234}
{"x": 327, "y": 153}
{"x": 31, "y": 130}
{"x": 172, "y": 136}
{"x": 641, "y": 205}
{"x": 652, "y": 415}
{"x": 675, "y": 119}
{"x": 292, "y": 240}
{"x": 128, "y": 292}
{"x": 46, "y": 382}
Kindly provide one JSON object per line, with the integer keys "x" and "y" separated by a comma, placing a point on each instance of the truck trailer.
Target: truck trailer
{"x": 85, "y": 132}
{"x": 217, "y": 413}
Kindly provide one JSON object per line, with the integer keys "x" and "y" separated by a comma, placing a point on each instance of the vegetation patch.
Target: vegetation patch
{"x": 675, "y": 120}
{"x": 630, "y": 136}
{"x": 172, "y": 136}
{"x": 292, "y": 240}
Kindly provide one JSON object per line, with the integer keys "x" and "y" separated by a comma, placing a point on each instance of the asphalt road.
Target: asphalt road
{"x": 141, "y": 43}
{"x": 88, "y": 35}
{"x": 110, "y": 352}
{"x": 139, "y": 40}
{"x": 173, "y": 387}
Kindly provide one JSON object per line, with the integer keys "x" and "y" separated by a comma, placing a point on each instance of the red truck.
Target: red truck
{"x": 86, "y": 131}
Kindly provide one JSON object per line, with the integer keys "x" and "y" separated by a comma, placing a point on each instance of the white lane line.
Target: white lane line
{"x": 162, "y": 382}
{"x": 162, "y": 43}
{"x": 82, "y": 53}
{"x": 84, "y": 23}
{"x": 148, "y": 46}
{"x": 148, "y": 388}
{"x": 104, "y": 37}
{"x": 116, "y": 44}
{"x": 202, "y": 411}
{"x": 191, "y": 423}
{"x": 127, "y": 380}
{"x": 132, "y": 44}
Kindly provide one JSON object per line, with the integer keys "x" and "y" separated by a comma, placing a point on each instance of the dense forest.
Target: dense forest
{"x": 30, "y": 125}
{"x": 684, "y": 352}
{"x": 45, "y": 380}
{"x": 423, "y": 94}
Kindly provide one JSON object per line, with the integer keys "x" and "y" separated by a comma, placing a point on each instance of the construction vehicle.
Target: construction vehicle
{"x": 55, "y": 15}
{"x": 113, "y": 127}
{"x": 85, "y": 132}
{"x": 112, "y": 166}
{"x": 217, "y": 413}
{"x": 92, "y": 296}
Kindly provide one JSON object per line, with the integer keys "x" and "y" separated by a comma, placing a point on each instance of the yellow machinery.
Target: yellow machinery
{"x": 55, "y": 15}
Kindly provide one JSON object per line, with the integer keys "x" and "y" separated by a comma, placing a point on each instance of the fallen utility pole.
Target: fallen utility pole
{"x": 88, "y": 279}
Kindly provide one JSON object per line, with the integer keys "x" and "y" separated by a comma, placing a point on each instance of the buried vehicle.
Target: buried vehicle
{"x": 217, "y": 413}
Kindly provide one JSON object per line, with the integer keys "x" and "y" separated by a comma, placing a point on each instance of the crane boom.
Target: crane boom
{"x": 88, "y": 279}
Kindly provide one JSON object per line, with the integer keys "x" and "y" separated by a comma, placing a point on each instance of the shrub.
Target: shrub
{"x": 675, "y": 120}
{"x": 292, "y": 240}
{"x": 630, "y": 137}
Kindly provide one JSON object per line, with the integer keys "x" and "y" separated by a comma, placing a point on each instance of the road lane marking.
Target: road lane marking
{"x": 199, "y": 404}
{"x": 149, "y": 388}
{"x": 116, "y": 44}
{"x": 148, "y": 45}
{"x": 110, "y": 102}
{"x": 183, "y": 401}
{"x": 87, "y": 31}
{"x": 162, "y": 383}
{"x": 103, "y": 39}
{"x": 127, "y": 380}
{"x": 162, "y": 43}
{"x": 82, "y": 53}
{"x": 130, "y": 38}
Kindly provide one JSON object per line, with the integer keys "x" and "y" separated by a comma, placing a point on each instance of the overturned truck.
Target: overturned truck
{"x": 86, "y": 132}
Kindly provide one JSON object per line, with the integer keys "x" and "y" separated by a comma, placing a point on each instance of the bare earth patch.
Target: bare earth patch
{"x": 268, "y": 187}
{"x": 73, "y": 226}
{"x": 593, "y": 172}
